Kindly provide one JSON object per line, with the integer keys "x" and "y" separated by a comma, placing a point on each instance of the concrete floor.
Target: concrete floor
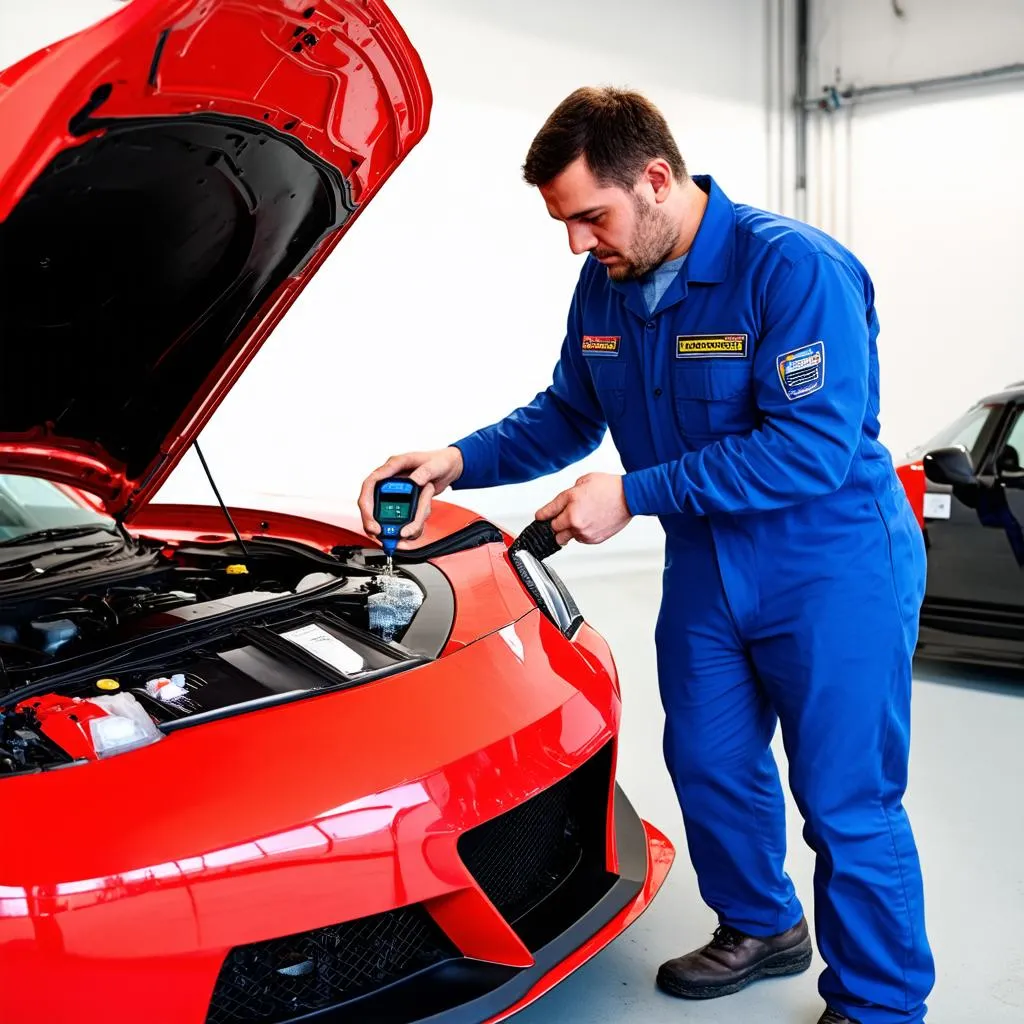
{"x": 965, "y": 801}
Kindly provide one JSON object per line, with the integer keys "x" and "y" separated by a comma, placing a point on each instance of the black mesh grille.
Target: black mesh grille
{"x": 281, "y": 979}
{"x": 522, "y": 857}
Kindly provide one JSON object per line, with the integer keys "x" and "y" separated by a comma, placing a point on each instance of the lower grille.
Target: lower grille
{"x": 278, "y": 980}
{"x": 521, "y": 859}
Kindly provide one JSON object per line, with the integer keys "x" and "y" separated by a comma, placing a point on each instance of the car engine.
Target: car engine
{"x": 198, "y": 633}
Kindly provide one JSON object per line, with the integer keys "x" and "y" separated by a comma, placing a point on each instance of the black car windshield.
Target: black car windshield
{"x": 29, "y": 505}
{"x": 964, "y": 431}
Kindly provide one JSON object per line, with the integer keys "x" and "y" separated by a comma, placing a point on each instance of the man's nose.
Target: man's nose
{"x": 581, "y": 239}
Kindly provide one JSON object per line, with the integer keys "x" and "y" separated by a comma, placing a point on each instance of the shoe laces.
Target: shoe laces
{"x": 726, "y": 937}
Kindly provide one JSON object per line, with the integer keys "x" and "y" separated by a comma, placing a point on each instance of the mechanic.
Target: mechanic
{"x": 732, "y": 355}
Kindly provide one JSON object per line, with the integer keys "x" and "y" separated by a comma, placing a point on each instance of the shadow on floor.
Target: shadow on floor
{"x": 1009, "y": 682}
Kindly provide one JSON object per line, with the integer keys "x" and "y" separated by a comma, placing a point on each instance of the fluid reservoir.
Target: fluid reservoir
{"x": 50, "y": 635}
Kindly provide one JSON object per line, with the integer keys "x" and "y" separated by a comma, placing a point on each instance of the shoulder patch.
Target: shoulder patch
{"x": 802, "y": 370}
{"x": 601, "y": 344}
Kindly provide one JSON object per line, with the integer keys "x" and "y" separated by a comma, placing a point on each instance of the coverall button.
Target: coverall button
{"x": 657, "y": 392}
{"x": 650, "y": 325}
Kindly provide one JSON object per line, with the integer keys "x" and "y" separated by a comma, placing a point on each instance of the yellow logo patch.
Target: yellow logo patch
{"x": 708, "y": 346}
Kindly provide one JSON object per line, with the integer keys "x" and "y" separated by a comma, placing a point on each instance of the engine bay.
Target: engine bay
{"x": 201, "y": 632}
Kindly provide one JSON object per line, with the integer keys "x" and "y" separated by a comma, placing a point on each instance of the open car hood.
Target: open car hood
{"x": 170, "y": 179}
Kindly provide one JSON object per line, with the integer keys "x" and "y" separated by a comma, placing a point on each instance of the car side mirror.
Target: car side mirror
{"x": 950, "y": 466}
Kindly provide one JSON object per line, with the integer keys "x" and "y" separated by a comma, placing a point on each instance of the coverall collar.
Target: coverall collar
{"x": 710, "y": 256}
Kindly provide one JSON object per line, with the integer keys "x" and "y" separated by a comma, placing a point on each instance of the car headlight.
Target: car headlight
{"x": 550, "y": 593}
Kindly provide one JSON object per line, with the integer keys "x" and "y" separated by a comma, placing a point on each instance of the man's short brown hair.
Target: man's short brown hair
{"x": 616, "y": 131}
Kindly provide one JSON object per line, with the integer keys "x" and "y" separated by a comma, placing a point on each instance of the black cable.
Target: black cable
{"x": 220, "y": 500}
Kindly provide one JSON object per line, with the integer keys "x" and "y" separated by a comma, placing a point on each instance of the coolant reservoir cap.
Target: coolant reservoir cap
{"x": 107, "y": 684}
{"x": 237, "y": 570}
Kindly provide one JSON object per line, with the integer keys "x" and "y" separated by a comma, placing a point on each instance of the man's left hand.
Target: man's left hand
{"x": 591, "y": 512}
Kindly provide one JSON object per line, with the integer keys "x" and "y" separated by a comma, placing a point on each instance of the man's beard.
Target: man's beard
{"x": 654, "y": 238}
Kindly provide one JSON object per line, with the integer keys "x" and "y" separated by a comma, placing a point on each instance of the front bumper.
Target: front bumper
{"x": 468, "y": 991}
{"x": 272, "y": 850}
{"x": 402, "y": 967}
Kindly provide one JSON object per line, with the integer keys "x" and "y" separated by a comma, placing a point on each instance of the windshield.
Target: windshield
{"x": 963, "y": 431}
{"x": 29, "y": 504}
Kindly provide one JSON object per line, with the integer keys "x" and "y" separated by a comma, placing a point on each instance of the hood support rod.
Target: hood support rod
{"x": 220, "y": 500}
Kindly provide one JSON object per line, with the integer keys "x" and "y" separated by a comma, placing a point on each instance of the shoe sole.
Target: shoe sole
{"x": 785, "y": 962}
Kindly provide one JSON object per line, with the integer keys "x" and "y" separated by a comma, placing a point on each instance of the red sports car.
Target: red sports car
{"x": 244, "y": 774}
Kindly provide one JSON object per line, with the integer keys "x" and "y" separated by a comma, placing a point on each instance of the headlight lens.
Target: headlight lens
{"x": 550, "y": 593}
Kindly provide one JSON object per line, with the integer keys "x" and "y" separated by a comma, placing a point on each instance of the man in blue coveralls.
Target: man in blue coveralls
{"x": 732, "y": 355}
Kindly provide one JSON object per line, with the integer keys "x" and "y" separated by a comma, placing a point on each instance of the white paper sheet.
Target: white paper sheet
{"x": 327, "y": 648}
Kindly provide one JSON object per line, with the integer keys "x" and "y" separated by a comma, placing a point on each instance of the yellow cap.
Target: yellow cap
{"x": 236, "y": 570}
{"x": 108, "y": 684}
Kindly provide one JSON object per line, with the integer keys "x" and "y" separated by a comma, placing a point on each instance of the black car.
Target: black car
{"x": 972, "y": 508}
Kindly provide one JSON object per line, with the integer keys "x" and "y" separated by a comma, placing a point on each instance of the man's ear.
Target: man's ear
{"x": 658, "y": 175}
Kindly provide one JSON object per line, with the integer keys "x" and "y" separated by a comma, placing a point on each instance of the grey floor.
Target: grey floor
{"x": 967, "y": 775}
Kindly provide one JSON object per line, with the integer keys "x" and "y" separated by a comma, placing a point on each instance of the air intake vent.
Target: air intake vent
{"x": 282, "y": 979}
{"x": 524, "y": 859}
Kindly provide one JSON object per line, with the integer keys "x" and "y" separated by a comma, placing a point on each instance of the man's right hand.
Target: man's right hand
{"x": 432, "y": 471}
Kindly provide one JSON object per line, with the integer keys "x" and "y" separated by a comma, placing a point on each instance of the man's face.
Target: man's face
{"x": 627, "y": 231}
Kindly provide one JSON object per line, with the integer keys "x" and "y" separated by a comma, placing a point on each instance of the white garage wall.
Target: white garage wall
{"x": 927, "y": 191}
{"x": 445, "y": 306}
{"x": 29, "y": 25}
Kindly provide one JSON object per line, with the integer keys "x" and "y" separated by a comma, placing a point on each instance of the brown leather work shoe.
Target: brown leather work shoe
{"x": 831, "y": 1016}
{"x": 732, "y": 960}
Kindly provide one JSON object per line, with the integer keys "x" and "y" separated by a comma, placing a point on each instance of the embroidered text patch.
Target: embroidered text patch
{"x": 601, "y": 344}
{"x": 711, "y": 346}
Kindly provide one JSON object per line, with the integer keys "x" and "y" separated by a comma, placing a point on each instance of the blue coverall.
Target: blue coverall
{"x": 745, "y": 412}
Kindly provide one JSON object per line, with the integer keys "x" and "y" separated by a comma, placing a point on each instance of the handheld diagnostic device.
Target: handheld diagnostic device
{"x": 394, "y": 506}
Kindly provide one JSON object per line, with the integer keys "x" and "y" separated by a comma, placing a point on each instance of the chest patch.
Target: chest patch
{"x": 601, "y": 344}
{"x": 711, "y": 346}
{"x": 802, "y": 371}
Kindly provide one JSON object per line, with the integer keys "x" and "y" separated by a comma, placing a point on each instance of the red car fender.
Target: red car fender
{"x": 912, "y": 477}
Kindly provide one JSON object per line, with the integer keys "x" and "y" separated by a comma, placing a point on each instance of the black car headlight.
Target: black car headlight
{"x": 550, "y": 593}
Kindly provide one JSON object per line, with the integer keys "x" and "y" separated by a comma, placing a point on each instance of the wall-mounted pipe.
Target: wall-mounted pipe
{"x": 801, "y": 111}
{"x": 832, "y": 98}
{"x": 769, "y": 110}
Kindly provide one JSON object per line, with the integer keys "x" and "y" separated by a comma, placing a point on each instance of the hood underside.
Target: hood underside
{"x": 132, "y": 263}
{"x": 163, "y": 213}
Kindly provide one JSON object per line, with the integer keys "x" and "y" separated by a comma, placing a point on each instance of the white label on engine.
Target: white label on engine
{"x": 327, "y": 647}
{"x": 937, "y": 506}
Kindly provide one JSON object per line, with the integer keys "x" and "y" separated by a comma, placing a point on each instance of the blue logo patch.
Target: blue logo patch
{"x": 802, "y": 371}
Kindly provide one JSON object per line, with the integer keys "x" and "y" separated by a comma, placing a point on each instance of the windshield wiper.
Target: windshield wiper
{"x": 57, "y": 533}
